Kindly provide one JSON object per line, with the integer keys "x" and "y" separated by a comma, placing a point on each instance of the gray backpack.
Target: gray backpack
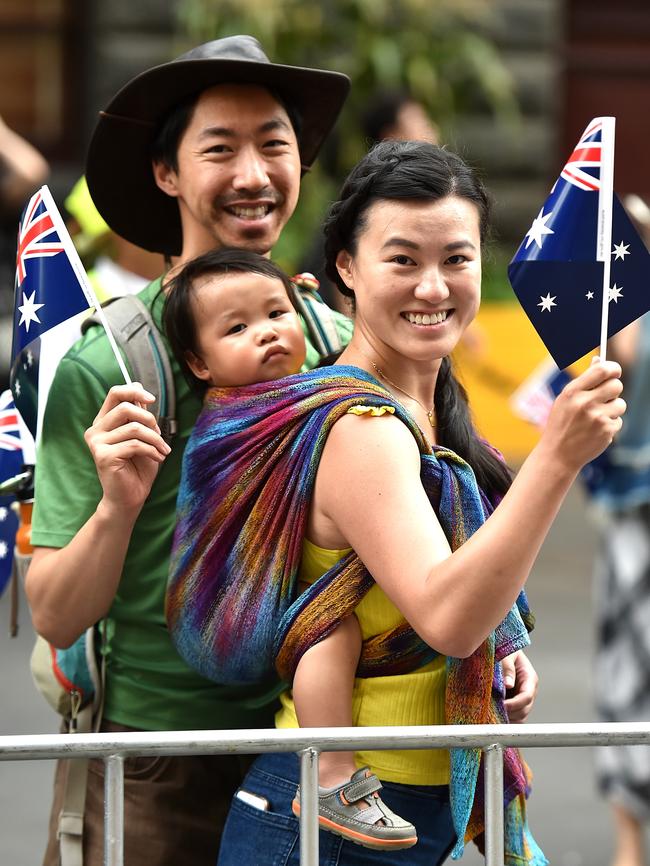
{"x": 142, "y": 344}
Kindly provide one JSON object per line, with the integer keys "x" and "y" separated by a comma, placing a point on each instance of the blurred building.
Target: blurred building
{"x": 571, "y": 60}
{"x": 60, "y": 60}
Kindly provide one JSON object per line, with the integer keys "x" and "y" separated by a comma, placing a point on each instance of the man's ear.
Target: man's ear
{"x": 197, "y": 366}
{"x": 344, "y": 267}
{"x": 166, "y": 178}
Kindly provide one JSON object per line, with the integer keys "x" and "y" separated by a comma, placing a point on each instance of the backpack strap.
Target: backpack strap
{"x": 142, "y": 345}
{"x": 75, "y": 785}
{"x": 71, "y": 816}
{"x": 318, "y": 317}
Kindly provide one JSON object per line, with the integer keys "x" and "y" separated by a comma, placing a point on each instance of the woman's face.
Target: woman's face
{"x": 416, "y": 275}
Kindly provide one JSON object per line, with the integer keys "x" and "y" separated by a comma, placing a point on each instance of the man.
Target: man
{"x": 204, "y": 151}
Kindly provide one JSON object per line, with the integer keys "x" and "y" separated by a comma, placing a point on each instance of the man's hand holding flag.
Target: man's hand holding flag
{"x": 11, "y": 464}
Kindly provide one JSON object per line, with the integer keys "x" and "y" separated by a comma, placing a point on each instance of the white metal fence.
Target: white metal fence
{"x": 114, "y": 748}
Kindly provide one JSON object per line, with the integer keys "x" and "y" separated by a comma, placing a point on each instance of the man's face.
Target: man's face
{"x": 238, "y": 172}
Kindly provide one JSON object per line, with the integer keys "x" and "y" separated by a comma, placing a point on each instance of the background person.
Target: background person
{"x": 201, "y": 152}
{"x": 398, "y": 115}
{"x": 622, "y": 569}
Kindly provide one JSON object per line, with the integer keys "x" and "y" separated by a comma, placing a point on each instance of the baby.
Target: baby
{"x": 230, "y": 319}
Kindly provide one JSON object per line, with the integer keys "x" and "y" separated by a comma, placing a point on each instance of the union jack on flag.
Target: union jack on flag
{"x": 583, "y": 166}
{"x": 36, "y": 236}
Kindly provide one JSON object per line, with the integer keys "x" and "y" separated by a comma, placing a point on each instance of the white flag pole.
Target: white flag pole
{"x": 604, "y": 231}
{"x": 82, "y": 276}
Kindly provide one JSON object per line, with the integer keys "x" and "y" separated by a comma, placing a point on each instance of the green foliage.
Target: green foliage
{"x": 435, "y": 48}
{"x": 495, "y": 285}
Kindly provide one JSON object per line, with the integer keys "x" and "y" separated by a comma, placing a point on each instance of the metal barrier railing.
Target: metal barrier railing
{"x": 308, "y": 743}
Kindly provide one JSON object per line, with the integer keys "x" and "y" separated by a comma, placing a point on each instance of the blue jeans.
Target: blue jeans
{"x": 257, "y": 837}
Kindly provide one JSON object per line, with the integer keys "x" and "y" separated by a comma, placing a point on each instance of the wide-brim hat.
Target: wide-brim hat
{"x": 118, "y": 167}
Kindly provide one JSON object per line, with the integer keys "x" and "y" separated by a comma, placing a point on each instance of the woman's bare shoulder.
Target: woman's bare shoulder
{"x": 367, "y": 442}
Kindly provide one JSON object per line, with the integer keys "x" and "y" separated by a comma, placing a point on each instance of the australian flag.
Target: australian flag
{"x": 534, "y": 398}
{"x": 8, "y": 529}
{"x": 555, "y": 273}
{"x": 11, "y": 463}
{"x": 50, "y": 288}
{"x": 11, "y": 449}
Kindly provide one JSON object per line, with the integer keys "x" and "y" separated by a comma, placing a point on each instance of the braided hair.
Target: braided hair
{"x": 398, "y": 170}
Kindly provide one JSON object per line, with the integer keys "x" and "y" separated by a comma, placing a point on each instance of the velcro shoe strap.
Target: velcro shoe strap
{"x": 361, "y": 788}
{"x": 371, "y": 815}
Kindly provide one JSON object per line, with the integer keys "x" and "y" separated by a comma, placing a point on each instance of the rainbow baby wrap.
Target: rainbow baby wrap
{"x": 232, "y": 604}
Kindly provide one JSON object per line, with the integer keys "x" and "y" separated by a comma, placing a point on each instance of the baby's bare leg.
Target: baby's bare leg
{"x": 322, "y": 693}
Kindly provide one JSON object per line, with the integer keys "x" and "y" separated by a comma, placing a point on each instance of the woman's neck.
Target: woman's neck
{"x": 412, "y": 383}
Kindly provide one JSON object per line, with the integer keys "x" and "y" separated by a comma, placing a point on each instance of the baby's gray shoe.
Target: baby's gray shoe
{"x": 373, "y": 826}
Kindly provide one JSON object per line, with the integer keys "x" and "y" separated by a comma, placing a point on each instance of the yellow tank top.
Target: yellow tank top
{"x": 416, "y": 698}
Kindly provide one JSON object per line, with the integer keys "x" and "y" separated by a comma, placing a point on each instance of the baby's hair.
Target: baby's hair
{"x": 177, "y": 316}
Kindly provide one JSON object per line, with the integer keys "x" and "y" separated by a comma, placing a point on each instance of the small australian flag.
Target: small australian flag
{"x": 49, "y": 290}
{"x": 11, "y": 463}
{"x": 555, "y": 274}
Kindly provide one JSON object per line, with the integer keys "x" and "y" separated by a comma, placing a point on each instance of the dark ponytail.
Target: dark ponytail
{"x": 456, "y": 431}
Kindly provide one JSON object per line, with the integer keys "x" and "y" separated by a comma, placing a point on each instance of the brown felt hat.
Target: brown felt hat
{"x": 118, "y": 167}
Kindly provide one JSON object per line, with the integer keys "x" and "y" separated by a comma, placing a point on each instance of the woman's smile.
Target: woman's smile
{"x": 427, "y": 319}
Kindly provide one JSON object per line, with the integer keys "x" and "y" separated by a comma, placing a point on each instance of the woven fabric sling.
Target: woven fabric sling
{"x": 232, "y": 603}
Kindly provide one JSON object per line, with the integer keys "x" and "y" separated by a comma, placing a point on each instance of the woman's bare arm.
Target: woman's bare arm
{"x": 381, "y": 510}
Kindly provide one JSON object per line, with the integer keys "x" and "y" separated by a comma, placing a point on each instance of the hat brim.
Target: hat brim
{"x": 118, "y": 167}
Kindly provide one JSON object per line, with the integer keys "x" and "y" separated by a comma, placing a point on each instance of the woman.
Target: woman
{"x": 404, "y": 241}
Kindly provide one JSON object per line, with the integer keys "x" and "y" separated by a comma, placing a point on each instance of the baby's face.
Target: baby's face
{"x": 247, "y": 330}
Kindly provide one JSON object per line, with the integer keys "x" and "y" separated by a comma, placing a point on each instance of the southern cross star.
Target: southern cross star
{"x": 621, "y": 250}
{"x": 547, "y": 302}
{"x": 615, "y": 293}
{"x": 28, "y": 311}
{"x": 539, "y": 228}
